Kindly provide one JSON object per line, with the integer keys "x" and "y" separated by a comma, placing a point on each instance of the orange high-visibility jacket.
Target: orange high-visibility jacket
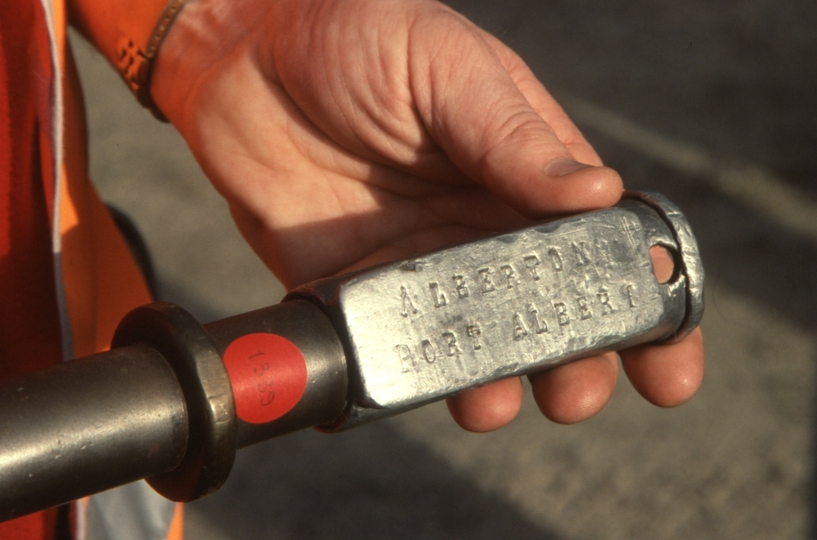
{"x": 96, "y": 279}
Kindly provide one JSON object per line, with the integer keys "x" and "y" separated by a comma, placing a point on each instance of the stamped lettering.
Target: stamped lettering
{"x": 548, "y": 292}
{"x": 539, "y": 324}
{"x": 473, "y": 331}
{"x": 510, "y": 274}
{"x": 555, "y": 259}
{"x": 406, "y": 358}
{"x": 604, "y": 300}
{"x": 429, "y": 352}
{"x": 584, "y": 309}
{"x": 450, "y": 340}
{"x": 561, "y": 313}
{"x": 460, "y": 286}
{"x": 520, "y": 330}
{"x": 486, "y": 280}
{"x": 604, "y": 251}
{"x": 628, "y": 292}
{"x": 531, "y": 263}
{"x": 408, "y": 305}
{"x": 580, "y": 251}
{"x": 439, "y": 297}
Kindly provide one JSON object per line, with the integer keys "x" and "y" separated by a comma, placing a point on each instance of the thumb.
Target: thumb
{"x": 499, "y": 126}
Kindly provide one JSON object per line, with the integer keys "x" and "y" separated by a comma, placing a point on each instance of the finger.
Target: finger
{"x": 667, "y": 375}
{"x": 487, "y": 408}
{"x": 474, "y": 109}
{"x": 544, "y": 104}
{"x": 576, "y": 391}
{"x": 663, "y": 265}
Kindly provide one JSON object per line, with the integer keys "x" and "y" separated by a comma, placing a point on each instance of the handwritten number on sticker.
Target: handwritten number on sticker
{"x": 264, "y": 367}
{"x": 267, "y": 381}
{"x": 268, "y": 376}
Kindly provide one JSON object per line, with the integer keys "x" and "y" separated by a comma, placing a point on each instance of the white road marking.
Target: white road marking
{"x": 750, "y": 183}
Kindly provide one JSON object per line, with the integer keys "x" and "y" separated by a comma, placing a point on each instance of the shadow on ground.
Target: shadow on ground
{"x": 370, "y": 483}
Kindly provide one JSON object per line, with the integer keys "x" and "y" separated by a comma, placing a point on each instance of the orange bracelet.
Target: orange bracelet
{"x": 135, "y": 56}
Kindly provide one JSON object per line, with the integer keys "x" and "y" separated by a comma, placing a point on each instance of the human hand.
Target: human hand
{"x": 346, "y": 133}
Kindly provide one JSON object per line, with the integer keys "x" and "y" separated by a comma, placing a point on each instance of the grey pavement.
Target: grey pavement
{"x": 733, "y": 79}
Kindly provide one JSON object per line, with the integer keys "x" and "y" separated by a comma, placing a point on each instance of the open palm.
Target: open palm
{"x": 346, "y": 133}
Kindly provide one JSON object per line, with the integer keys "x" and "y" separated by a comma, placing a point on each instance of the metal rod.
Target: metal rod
{"x": 87, "y": 425}
{"x": 173, "y": 400}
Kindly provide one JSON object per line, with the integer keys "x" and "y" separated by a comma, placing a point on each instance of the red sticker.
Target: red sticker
{"x": 267, "y": 374}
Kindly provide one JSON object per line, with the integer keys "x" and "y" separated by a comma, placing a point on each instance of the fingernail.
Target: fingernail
{"x": 563, "y": 167}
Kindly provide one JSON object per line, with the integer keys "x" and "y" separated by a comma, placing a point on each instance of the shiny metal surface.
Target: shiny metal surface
{"x": 308, "y": 328}
{"x": 86, "y": 426}
{"x": 426, "y": 328}
{"x": 159, "y": 406}
{"x": 197, "y": 366}
{"x": 688, "y": 258}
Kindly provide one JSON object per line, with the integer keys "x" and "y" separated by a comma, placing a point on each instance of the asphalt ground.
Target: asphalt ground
{"x": 712, "y": 104}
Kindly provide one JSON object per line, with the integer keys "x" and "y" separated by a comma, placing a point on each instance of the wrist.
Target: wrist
{"x": 138, "y": 44}
{"x": 126, "y": 32}
{"x": 204, "y": 32}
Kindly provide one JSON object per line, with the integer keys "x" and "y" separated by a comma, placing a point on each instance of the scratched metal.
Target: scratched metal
{"x": 426, "y": 328}
{"x": 689, "y": 258}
